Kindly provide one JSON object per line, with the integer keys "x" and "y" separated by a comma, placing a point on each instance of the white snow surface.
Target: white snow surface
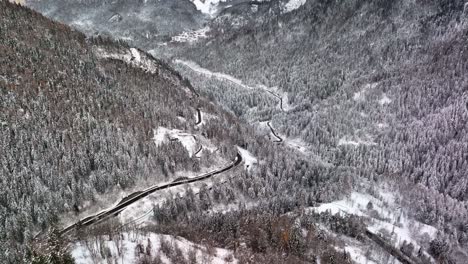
{"x": 293, "y": 5}
{"x": 122, "y": 249}
{"x": 382, "y": 125}
{"x": 162, "y": 134}
{"x": 357, "y": 255}
{"x": 191, "y": 36}
{"x": 211, "y": 7}
{"x": 345, "y": 141}
{"x": 385, "y": 100}
{"x": 135, "y": 55}
{"x": 249, "y": 159}
{"x": 132, "y": 56}
{"x": 395, "y": 221}
{"x": 222, "y": 76}
{"x": 208, "y": 7}
{"x": 360, "y": 96}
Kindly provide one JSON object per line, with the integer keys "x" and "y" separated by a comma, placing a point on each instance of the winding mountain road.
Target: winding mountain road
{"x": 136, "y": 196}
{"x": 199, "y": 117}
{"x": 279, "y": 139}
{"x": 277, "y": 96}
{"x": 198, "y": 151}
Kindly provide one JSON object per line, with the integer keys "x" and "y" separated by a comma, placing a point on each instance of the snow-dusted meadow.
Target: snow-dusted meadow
{"x": 132, "y": 247}
{"x": 383, "y": 216}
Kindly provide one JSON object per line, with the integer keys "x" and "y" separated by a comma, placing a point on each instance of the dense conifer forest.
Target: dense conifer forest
{"x": 358, "y": 101}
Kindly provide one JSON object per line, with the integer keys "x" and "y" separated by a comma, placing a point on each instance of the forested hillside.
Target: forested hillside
{"x": 380, "y": 86}
{"x": 78, "y": 122}
{"x": 354, "y": 112}
{"x": 75, "y": 126}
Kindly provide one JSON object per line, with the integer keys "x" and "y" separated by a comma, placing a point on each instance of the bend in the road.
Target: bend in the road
{"x": 127, "y": 201}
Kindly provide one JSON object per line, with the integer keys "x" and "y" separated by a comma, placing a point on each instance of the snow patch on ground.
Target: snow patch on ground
{"x": 163, "y": 135}
{"x": 385, "y": 217}
{"x": 301, "y": 146}
{"x": 360, "y": 96}
{"x": 293, "y": 5}
{"x": 249, "y": 159}
{"x": 385, "y": 100}
{"x": 296, "y": 143}
{"x": 135, "y": 58}
{"x": 208, "y": 7}
{"x": 357, "y": 255}
{"x": 382, "y": 125}
{"x": 352, "y": 205}
{"x": 286, "y": 105}
{"x": 135, "y": 55}
{"x": 344, "y": 141}
{"x": 197, "y": 68}
{"x": 132, "y": 56}
{"x": 191, "y": 36}
{"x": 122, "y": 249}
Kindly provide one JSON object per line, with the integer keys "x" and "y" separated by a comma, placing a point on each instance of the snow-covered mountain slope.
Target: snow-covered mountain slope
{"x": 86, "y": 119}
{"x": 341, "y": 93}
{"x": 382, "y": 107}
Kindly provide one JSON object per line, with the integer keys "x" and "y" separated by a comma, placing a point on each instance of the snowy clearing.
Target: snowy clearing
{"x": 296, "y": 143}
{"x": 293, "y": 5}
{"x": 182, "y": 119}
{"x": 135, "y": 55}
{"x": 208, "y": 7}
{"x": 385, "y": 217}
{"x": 197, "y": 68}
{"x": 360, "y": 96}
{"x": 357, "y": 255}
{"x": 382, "y": 125}
{"x": 385, "y": 100}
{"x": 344, "y": 141}
{"x": 191, "y": 36}
{"x": 123, "y": 249}
{"x": 164, "y": 135}
{"x": 249, "y": 159}
{"x": 132, "y": 56}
